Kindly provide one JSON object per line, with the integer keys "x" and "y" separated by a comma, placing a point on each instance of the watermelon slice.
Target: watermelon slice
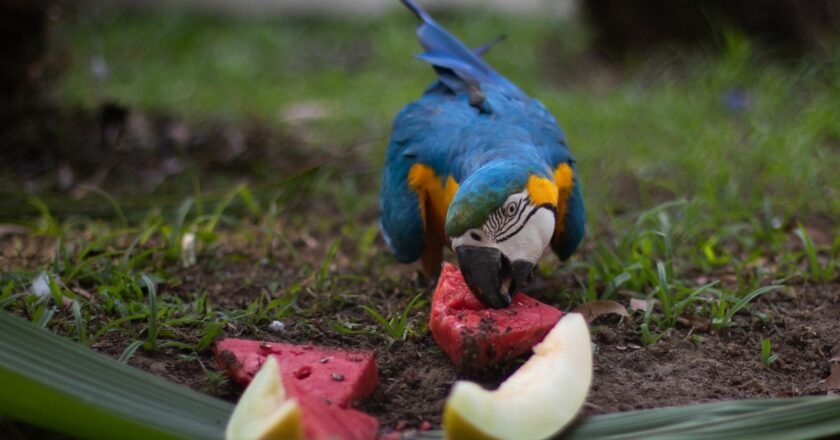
{"x": 273, "y": 408}
{"x": 475, "y": 336}
{"x": 335, "y": 376}
{"x": 323, "y": 420}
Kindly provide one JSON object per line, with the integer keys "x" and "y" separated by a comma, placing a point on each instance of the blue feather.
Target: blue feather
{"x": 449, "y": 54}
{"x": 484, "y": 48}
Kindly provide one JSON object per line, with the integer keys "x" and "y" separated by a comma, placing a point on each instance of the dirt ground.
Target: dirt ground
{"x": 679, "y": 369}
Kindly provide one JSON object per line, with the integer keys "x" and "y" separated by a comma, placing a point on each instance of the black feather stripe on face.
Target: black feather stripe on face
{"x": 514, "y": 219}
{"x": 530, "y": 214}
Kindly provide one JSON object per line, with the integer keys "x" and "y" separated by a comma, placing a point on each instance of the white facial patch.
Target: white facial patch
{"x": 520, "y": 230}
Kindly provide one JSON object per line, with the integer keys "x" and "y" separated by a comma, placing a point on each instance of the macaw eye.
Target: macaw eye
{"x": 510, "y": 209}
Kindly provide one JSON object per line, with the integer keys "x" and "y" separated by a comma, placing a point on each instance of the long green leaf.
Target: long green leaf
{"x": 802, "y": 418}
{"x": 798, "y": 418}
{"x": 50, "y": 381}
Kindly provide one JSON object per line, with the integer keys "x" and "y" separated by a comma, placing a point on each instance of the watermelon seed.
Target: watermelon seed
{"x": 337, "y": 377}
{"x": 323, "y": 360}
{"x": 303, "y": 372}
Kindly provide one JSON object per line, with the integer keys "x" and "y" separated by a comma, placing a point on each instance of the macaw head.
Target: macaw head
{"x": 500, "y": 222}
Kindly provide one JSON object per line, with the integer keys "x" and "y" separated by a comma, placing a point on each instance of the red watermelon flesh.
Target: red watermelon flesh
{"x": 475, "y": 336}
{"x": 323, "y": 420}
{"x": 336, "y": 376}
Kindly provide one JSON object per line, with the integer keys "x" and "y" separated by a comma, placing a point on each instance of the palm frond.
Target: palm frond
{"x": 799, "y": 418}
{"x": 55, "y": 383}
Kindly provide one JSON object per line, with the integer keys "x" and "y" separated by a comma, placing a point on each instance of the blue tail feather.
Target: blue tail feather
{"x": 466, "y": 71}
{"x": 418, "y": 11}
{"x": 481, "y": 50}
{"x": 445, "y": 51}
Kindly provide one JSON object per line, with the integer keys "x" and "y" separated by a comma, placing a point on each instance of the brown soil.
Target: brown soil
{"x": 678, "y": 371}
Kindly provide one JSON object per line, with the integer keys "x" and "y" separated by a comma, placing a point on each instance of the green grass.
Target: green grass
{"x": 398, "y": 326}
{"x": 767, "y": 355}
{"x": 695, "y": 206}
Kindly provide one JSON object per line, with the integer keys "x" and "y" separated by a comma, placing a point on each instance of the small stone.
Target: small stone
{"x": 41, "y": 286}
{"x": 277, "y": 327}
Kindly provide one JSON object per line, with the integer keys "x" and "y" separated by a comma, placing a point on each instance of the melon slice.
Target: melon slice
{"x": 268, "y": 410}
{"x": 537, "y": 401}
{"x": 338, "y": 376}
{"x": 475, "y": 336}
{"x": 264, "y": 411}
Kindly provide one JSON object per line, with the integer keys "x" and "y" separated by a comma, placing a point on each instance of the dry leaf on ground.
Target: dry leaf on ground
{"x": 695, "y": 322}
{"x": 637, "y": 304}
{"x": 594, "y": 309}
{"x": 832, "y": 384}
{"x": 10, "y": 229}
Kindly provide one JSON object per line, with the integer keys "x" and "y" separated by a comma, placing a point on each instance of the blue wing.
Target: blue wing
{"x": 423, "y": 132}
{"x": 566, "y": 242}
{"x": 401, "y": 220}
{"x": 552, "y": 142}
{"x": 401, "y": 217}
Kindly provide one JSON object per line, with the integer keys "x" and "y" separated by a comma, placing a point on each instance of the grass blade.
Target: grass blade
{"x": 81, "y": 325}
{"x": 328, "y": 259}
{"x": 52, "y": 382}
{"x": 129, "y": 351}
{"x": 152, "y": 330}
{"x": 747, "y": 298}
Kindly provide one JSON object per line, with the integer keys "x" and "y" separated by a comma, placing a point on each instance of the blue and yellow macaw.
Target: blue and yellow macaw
{"x": 478, "y": 165}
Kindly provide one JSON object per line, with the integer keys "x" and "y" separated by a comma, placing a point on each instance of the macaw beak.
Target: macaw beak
{"x": 490, "y": 275}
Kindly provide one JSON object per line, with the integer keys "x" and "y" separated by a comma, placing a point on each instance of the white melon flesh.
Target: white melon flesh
{"x": 264, "y": 412}
{"x": 537, "y": 401}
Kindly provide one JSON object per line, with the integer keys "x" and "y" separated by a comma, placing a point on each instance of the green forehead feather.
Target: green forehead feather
{"x": 481, "y": 194}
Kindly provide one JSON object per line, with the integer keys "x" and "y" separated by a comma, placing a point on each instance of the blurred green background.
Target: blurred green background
{"x": 740, "y": 127}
